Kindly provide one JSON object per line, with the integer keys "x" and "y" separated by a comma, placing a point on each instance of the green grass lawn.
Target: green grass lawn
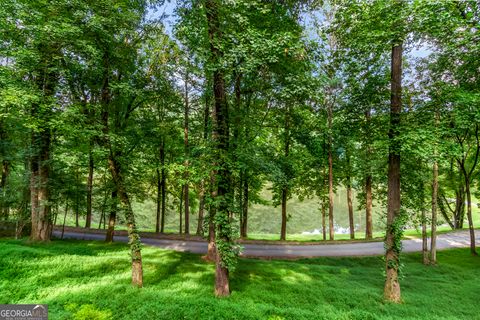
{"x": 91, "y": 280}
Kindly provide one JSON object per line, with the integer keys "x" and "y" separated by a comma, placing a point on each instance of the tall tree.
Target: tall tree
{"x": 220, "y": 136}
{"x": 394, "y": 227}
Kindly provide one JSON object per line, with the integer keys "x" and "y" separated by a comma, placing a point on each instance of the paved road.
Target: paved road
{"x": 457, "y": 239}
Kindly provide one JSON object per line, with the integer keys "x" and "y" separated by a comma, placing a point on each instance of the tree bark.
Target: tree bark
{"x": 425, "y": 256}
{"x": 284, "y": 190}
{"x": 77, "y": 201}
{"x": 350, "y": 212}
{"x": 244, "y": 225}
{"x": 55, "y": 215}
{"x": 180, "y": 212}
{"x": 392, "y": 248}
{"x": 323, "y": 202}
{"x": 331, "y": 226}
{"x": 220, "y": 137}
{"x": 368, "y": 182}
{"x": 201, "y": 208}
{"x": 283, "y": 231}
{"x": 117, "y": 177}
{"x": 4, "y": 210}
{"x": 473, "y": 249}
{"x": 368, "y": 209}
{"x": 186, "y": 186}
{"x": 212, "y": 251}
{"x": 39, "y": 179}
{"x": 41, "y": 142}
{"x": 433, "y": 236}
{"x": 163, "y": 184}
{"x": 467, "y": 174}
{"x": 4, "y": 207}
{"x": 88, "y": 222}
{"x": 187, "y": 209}
{"x": 112, "y": 218}
{"x": 424, "y": 239}
{"x": 134, "y": 238}
{"x": 102, "y": 213}
{"x": 103, "y": 217}
{"x": 64, "y": 218}
{"x": 24, "y": 213}
{"x": 459, "y": 207}
{"x": 349, "y": 199}
{"x": 324, "y": 220}
{"x": 159, "y": 201}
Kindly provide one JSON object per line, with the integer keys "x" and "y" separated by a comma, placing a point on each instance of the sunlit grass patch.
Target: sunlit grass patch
{"x": 91, "y": 280}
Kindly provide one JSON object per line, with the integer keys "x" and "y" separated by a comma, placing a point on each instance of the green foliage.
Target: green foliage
{"x": 107, "y": 81}
{"x": 88, "y": 312}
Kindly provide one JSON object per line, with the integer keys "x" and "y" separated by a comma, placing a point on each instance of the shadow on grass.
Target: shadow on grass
{"x": 180, "y": 285}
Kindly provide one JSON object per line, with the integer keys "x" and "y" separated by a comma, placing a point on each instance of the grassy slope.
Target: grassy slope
{"x": 90, "y": 280}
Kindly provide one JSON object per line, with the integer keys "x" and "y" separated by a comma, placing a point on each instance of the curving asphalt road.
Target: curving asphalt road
{"x": 457, "y": 239}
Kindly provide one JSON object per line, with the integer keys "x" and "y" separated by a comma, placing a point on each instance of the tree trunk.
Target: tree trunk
{"x": 424, "y": 239}
{"x": 212, "y": 251}
{"x": 186, "y": 209}
{"x": 4, "y": 210}
{"x": 459, "y": 207}
{"x": 180, "y": 212}
{"x": 433, "y": 236}
{"x": 24, "y": 213}
{"x": 201, "y": 208}
{"x": 163, "y": 184}
{"x": 55, "y": 215}
{"x": 222, "y": 282}
{"x": 117, "y": 177}
{"x": 368, "y": 208}
{"x": 331, "y": 226}
{"x": 112, "y": 218}
{"x": 244, "y": 225}
{"x": 40, "y": 207}
{"x": 159, "y": 201}
{"x": 443, "y": 212}
{"x": 40, "y": 159}
{"x": 468, "y": 174}
{"x": 469, "y": 216}
{"x": 350, "y": 212}
{"x": 64, "y": 218}
{"x": 324, "y": 220}
{"x": 220, "y": 137}
{"x": 323, "y": 202}
{"x": 368, "y": 177}
{"x": 349, "y": 199}
{"x": 392, "y": 247}
{"x": 102, "y": 214}
{"x": 283, "y": 231}
{"x": 424, "y": 228}
{"x": 77, "y": 213}
{"x": 134, "y": 238}
{"x": 89, "y": 187}
{"x": 186, "y": 186}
